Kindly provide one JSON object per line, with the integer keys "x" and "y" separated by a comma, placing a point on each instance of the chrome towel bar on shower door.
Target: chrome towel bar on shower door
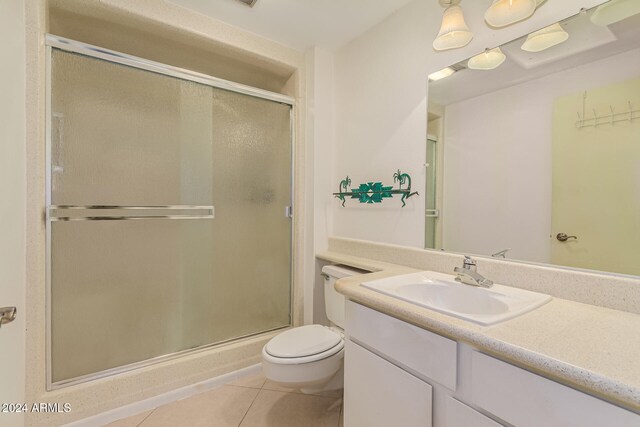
{"x": 115, "y": 213}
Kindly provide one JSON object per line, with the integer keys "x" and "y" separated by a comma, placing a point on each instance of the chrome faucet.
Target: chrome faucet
{"x": 468, "y": 275}
{"x": 501, "y": 254}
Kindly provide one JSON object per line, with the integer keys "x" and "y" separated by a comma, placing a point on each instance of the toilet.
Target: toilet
{"x": 310, "y": 358}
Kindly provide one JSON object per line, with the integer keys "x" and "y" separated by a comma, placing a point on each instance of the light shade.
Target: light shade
{"x": 454, "y": 32}
{"x": 615, "y": 11}
{"x": 488, "y": 60}
{"x": 506, "y": 12}
{"x": 545, "y": 38}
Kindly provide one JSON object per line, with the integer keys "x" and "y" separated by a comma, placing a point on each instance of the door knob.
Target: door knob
{"x": 563, "y": 237}
{"x": 7, "y": 315}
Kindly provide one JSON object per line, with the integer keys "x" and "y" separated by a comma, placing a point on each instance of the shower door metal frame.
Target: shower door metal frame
{"x": 73, "y": 46}
{"x": 160, "y": 68}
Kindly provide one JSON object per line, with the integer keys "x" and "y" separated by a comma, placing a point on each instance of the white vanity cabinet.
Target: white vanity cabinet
{"x": 382, "y": 395}
{"x": 393, "y": 370}
{"x": 460, "y": 415}
{"x": 397, "y": 374}
{"x": 525, "y": 399}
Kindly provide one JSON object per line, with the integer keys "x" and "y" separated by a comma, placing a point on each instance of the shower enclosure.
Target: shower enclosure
{"x": 431, "y": 205}
{"x": 168, "y": 201}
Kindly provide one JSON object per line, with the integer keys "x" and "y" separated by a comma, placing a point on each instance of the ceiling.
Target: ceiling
{"x": 300, "y": 24}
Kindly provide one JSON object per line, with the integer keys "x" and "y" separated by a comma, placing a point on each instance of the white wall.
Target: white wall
{"x": 320, "y": 101}
{"x": 498, "y": 161}
{"x": 381, "y": 125}
{"x": 12, "y": 204}
{"x": 321, "y": 109}
{"x": 381, "y": 107}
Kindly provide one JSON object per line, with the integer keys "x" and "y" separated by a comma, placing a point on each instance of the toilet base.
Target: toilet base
{"x": 322, "y": 375}
{"x": 335, "y": 383}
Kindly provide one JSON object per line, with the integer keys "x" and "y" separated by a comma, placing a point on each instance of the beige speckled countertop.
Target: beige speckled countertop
{"x": 590, "y": 348}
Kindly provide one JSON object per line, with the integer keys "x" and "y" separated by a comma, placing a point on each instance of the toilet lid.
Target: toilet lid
{"x": 303, "y": 341}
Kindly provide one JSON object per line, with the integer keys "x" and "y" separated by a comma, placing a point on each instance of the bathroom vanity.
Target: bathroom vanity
{"x": 564, "y": 363}
{"x": 399, "y": 374}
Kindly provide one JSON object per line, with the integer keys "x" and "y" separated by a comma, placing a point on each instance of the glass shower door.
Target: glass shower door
{"x": 140, "y": 263}
{"x": 431, "y": 211}
{"x": 251, "y": 235}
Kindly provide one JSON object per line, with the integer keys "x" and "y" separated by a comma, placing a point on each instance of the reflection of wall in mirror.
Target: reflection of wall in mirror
{"x": 497, "y": 167}
{"x": 596, "y": 180}
{"x": 380, "y": 107}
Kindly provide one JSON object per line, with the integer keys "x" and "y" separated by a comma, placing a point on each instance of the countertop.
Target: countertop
{"x": 589, "y": 348}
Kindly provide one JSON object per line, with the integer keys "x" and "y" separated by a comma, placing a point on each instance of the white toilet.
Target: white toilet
{"x": 311, "y": 357}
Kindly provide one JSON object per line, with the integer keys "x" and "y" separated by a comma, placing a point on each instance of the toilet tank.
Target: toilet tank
{"x": 334, "y": 302}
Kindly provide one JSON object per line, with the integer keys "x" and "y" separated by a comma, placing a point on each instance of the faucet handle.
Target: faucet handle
{"x": 501, "y": 254}
{"x": 469, "y": 263}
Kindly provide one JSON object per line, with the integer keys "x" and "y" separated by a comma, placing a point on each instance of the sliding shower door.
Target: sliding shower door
{"x": 166, "y": 216}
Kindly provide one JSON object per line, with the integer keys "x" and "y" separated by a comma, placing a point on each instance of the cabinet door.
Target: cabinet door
{"x": 460, "y": 415}
{"x": 379, "y": 394}
{"x": 525, "y": 399}
{"x": 429, "y": 356}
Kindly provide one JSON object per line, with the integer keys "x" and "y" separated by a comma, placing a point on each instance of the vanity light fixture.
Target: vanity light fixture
{"x": 615, "y": 11}
{"x": 507, "y": 12}
{"x": 454, "y": 32}
{"x": 545, "y": 38}
{"x": 439, "y": 75}
{"x": 490, "y": 59}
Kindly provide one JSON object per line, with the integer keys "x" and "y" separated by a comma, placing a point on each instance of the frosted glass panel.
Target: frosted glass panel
{"x": 148, "y": 136}
{"x": 430, "y": 189}
{"x": 127, "y": 291}
{"x": 119, "y": 287}
{"x": 252, "y": 238}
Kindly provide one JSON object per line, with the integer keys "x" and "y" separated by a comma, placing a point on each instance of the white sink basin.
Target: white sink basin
{"x": 442, "y": 293}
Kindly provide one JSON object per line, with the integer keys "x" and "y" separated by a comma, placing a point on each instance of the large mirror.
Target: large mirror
{"x": 533, "y": 150}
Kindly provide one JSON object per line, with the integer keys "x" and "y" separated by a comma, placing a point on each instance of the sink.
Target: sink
{"x": 440, "y": 292}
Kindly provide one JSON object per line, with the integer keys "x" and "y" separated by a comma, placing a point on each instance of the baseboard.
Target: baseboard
{"x": 162, "y": 399}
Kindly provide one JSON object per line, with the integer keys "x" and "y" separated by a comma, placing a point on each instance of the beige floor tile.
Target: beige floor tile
{"x": 252, "y": 381}
{"x": 133, "y": 421}
{"x": 333, "y": 393}
{"x": 279, "y": 409}
{"x": 222, "y": 407}
{"x": 270, "y": 385}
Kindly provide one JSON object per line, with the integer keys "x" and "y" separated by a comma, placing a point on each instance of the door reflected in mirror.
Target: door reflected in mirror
{"x": 540, "y": 155}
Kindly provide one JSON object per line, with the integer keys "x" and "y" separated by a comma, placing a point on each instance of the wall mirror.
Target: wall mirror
{"x": 533, "y": 148}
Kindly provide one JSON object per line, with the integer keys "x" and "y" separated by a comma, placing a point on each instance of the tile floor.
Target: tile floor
{"x": 248, "y": 402}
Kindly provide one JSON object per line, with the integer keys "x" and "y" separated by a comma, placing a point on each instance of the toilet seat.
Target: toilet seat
{"x": 304, "y": 344}
{"x": 311, "y": 358}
